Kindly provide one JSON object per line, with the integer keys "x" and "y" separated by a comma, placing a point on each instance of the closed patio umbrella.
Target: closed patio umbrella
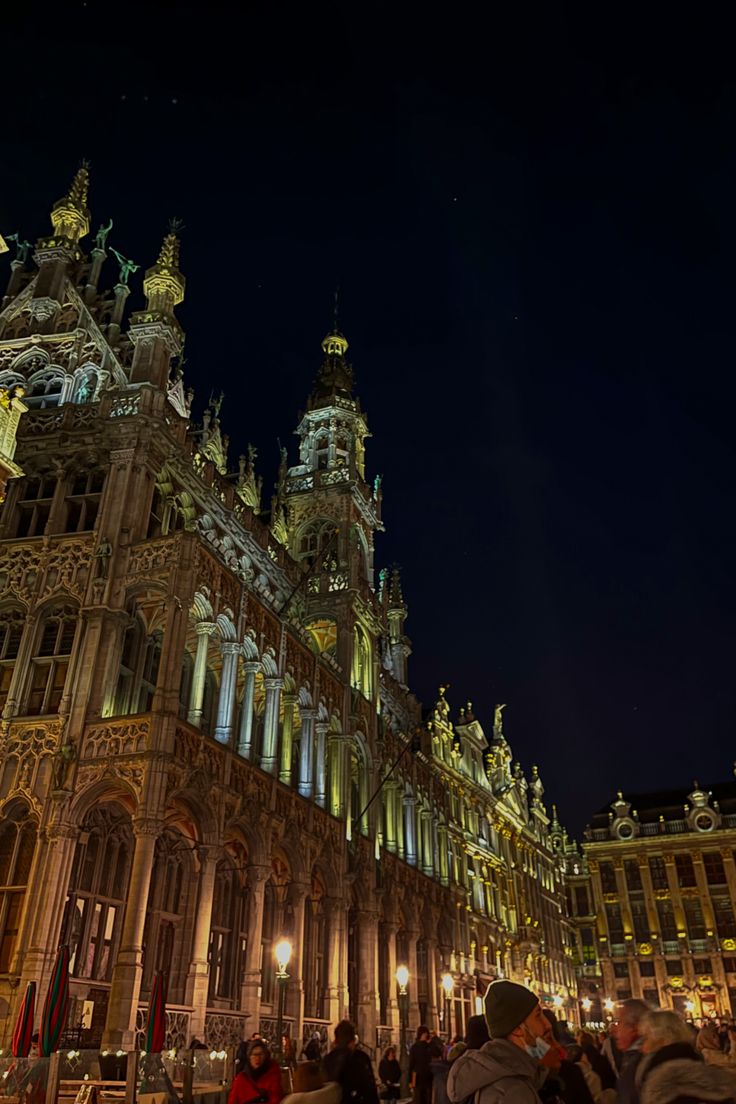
{"x": 21, "y": 1042}
{"x": 56, "y": 1006}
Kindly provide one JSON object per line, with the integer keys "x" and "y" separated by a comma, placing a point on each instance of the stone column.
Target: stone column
{"x": 649, "y": 901}
{"x": 392, "y": 1002}
{"x": 299, "y": 892}
{"x": 128, "y": 970}
{"x": 413, "y": 986}
{"x": 410, "y": 829}
{"x": 306, "y": 757}
{"x": 245, "y": 734}
{"x": 204, "y": 630}
{"x": 287, "y": 736}
{"x": 250, "y": 1000}
{"x": 427, "y": 856}
{"x": 226, "y": 701}
{"x": 432, "y": 984}
{"x": 399, "y": 820}
{"x": 320, "y": 790}
{"x": 368, "y": 1003}
{"x": 336, "y": 747}
{"x": 675, "y": 897}
{"x": 269, "y": 758}
{"x": 704, "y": 892}
{"x": 38, "y": 937}
{"x": 198, "y": 978}
{"x": 336, "y": 918}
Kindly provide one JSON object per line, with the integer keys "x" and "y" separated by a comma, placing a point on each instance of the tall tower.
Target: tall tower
{"x": 333, "y": 515}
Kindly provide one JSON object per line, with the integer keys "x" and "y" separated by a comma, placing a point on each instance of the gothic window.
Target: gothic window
{"x": 98, "y": 888}
{"x": 44, "y": 390}
{"x": 139, "y": 664}
{"x": 228, "y": 934}
{"x": 269, "y": 938}
{"x": 51, "y": 660}
{"x": 315, "y": 540}
{"x": 185, "y": 685}
{"x": 342, "y": 449}
{"x": 12, "y": 622}
{"x": 321, "y": 451}
{"x": 17, "y": 844}
{"x": 209, "y": 702}
{"x": 362, "y": 662}
{"x": 172, "y": 882}
{"x": 34, "y": 505}
{"x": 82, "y": 501}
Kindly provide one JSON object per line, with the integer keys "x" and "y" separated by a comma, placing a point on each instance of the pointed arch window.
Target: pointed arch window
{"x": 50, "y": 662}
{"x": 170, "y": 899}
{"x": 12, "y": 623}
{"x": 315, "y": 946}
{"x": 362, "y": 662}
{"x": 228, "y": 933}
{"x": 138, "y": 674}
{"x": 44, "y": 390}
{"x": 97, "y": 891}
{"x": 17, "y": 845}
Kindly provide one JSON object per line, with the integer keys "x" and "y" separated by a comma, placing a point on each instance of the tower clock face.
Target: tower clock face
{"x": 704, "y": 822}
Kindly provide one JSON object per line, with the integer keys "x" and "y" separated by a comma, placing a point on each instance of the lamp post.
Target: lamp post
{"x": 448, "y": 984}
{"x": 402, "y": 977}
{"x": 282, "y": 952}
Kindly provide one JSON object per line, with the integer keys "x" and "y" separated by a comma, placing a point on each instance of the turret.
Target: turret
{"x": 399, "y": 643}
{"x": 70, "y": 219}
{"x": 155, "y": 331}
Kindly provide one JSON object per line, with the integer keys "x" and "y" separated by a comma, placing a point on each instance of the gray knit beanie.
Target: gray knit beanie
{"x": 507, "y": 1005}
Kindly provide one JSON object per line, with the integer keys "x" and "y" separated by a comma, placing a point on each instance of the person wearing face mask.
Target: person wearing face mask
{"x": 509, "y": 1068}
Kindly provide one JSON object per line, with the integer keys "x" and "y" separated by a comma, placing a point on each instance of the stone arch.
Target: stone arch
{"x": 189, "y": 811}
{"x": 109, "y": 789}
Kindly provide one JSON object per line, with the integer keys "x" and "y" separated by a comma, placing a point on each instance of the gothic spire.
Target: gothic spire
{"x": 335, "y": 377}
{"x": 164, "y": 284}
{"x": 70, "y": 215}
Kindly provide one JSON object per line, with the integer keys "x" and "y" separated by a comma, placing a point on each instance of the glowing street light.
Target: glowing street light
{"x": 282, "y": 954}
{"x": 447, "y": 982}
{"x": 587, "y": 1004}
{"x": 402, "y": 976}
{"x": 557, "y": 1001}
{"x": 689, "y": 1006}
{"x": 608, "y": 1004}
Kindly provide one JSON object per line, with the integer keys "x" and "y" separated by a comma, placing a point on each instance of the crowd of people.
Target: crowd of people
{"x": 516, "y": 1053}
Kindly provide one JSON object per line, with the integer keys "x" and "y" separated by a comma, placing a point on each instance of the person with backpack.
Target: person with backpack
{"x": 350, "y": 1067}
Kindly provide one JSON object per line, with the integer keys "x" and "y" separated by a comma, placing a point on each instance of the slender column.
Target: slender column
{"x": 399, "y": 821}
{"x": 250, "y": 1000}
{"x": 245, "y": 735}
{"x": 320, "y": 756}
{"x": 427, "y": 856}
{"x": 295, "y": 1005}
{"x": 306, "y": 758}
{"x": 432, "y": 984}
{"x": 367, "y": 1001}
{"x": 226, "y": 701}
{"x": 413, "y": 986}
{"x": 337, "y": 948}
{"x": 45, "y": 898}
{"x": 198, "y": 978}
{"x": 128, "y": 969}
{"x": 392, "y": 1003}
{"x": 675, "y": 896}
{"x": 204, "y": 630}
{"x": 390, "y": 798}
{"x": 410, "y": 829}
{"x": 269, "y": 758}
{"x": 287, "y": 736}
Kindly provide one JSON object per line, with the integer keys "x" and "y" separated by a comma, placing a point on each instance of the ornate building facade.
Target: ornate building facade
{"x": 208, "y": 737}
{"x": 653, "y": 901}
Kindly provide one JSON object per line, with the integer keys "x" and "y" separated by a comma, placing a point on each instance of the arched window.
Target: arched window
{"x": 82, "y": 501}
{"x": 209, "y": 702}
{"x": 50, "y": 661}
{"x": 318, "y": 538}
{"x": 268, "y": 940}
{"x": 97, "y": 892}
{"x": 228, "y": 933}
{"x": 321, "y": 450}
{"x": 17, "y": 844}
{"x": 362, "y": 662}
{"x": 12, "y": 622}
{"x": 185, "y": 685}
{"x": 44, "y": 390}
{"x": 138, "y": 674}
{"x": 173, "y": 890}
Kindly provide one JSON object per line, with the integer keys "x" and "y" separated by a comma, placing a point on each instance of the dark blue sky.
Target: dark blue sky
{"x": 532, "y": 223}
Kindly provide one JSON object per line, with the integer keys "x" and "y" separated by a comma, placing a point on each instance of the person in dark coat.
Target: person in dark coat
{"x": 476, "y": 1033}
{"x": 313, "y": 1049}
{"x": 628, "y": 1040}
{"x": 389, "y": 1073}
{"x": 350, "y": 1067}
{"x": 671, "y": 1069}
{"x": 598, "y": 1061}
{"x": 420, "y": 1075}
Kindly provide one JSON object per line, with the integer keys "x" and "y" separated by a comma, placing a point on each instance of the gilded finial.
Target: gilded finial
{"x": 70, "y": 215}
{"x": 164, "y": 284}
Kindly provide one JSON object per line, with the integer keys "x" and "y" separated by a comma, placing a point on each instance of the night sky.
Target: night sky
{"x": 531, "y": 220}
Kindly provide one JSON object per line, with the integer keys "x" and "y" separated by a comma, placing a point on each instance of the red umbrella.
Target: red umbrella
{"x": 56, "y": 1006}
{"x": 21, "y": 1042}
{"x": 156, "y": 1026}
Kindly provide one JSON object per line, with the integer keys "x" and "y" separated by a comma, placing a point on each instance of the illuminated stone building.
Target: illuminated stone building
{"x": 202, "y": 698}
{"x": 653, "y": 901}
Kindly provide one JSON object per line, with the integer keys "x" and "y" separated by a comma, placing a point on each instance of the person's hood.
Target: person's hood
{"x": 685, "y": 1077}
{"x": 495, "y": 1060}
{"x": 331, "y": 1093}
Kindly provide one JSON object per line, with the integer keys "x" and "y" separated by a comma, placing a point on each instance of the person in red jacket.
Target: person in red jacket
{"x": 259, "y": 1080}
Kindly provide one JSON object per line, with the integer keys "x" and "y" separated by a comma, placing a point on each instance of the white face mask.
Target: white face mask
{"x": 538, "y": 1050}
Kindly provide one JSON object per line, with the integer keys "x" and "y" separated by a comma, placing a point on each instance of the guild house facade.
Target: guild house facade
{"x": 652, "y": 897}
{"x": 202, "y": 694}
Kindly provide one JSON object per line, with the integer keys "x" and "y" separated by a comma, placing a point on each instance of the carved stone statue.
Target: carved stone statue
{"x": 22, "y": 248}
{"x": 63, "y": 764}
{"x": 498, "y": 721}
{"x": 102, "y": 235}
{"x": 102, "y": 555}
{"x": 126, "y": 266}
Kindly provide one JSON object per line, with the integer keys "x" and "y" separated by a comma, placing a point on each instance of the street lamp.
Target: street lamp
{"x": 586, "y": 1004}
{"x": 402, "y": 977}
{"x": 608, "y": 1004}
{"x": 448, "y": 984}
{"x": 282, "y": 952}
{"x": 558, "y": 1001}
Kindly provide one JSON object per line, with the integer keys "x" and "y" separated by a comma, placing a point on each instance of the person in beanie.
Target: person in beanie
{"x": 508, "y": 1069}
